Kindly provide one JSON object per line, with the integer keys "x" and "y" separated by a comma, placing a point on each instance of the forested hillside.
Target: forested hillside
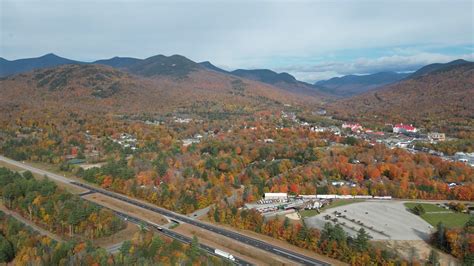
{"x": 440, "y": 101}
{"x": 94, "y": 88}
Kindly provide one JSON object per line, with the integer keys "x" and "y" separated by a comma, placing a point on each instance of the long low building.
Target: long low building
{"x": 276, "y": 196}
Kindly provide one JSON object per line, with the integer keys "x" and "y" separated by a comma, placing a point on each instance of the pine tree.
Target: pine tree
{"x": 361, "y": 242}
{"x": 6, "y": 250}
{"x": 433, "y": 259}
{"x": 194, "y": 251}
{"x": 441, "y": 236}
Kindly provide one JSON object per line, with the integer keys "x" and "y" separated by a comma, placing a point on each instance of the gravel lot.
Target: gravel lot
{"x": 391, "y": 217}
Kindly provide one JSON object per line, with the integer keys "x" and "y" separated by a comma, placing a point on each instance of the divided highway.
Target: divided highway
{"x": 176, "y": 236}
{"x": 291, "y": 255}
{"x": 233, "y": 235}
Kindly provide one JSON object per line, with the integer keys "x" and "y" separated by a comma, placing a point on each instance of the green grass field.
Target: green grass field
{"x": 341, "y": 202}
{"x": 450, "y": 218}
{"x": 427, "y": 206}
{"x": 308, "y": 213}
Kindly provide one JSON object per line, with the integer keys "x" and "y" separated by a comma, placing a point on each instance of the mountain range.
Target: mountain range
{"x": 158, "y": 84}
{"x": 437, "y": 96}
{"x": 178, "y": 66}
{"x": 356, "y": 84}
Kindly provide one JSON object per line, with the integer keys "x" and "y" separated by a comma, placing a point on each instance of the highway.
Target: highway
{"x": 291, "y": 255}
{"x": 176, "y": 236}
{"x": 233, "y": 235}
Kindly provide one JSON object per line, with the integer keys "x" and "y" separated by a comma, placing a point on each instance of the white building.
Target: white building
{"x": 401, "y": 128}
{"x": 276, "y": 196}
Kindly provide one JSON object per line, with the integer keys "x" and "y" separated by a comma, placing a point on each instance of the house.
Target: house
{"x": 353, "y": 126}
{"x": 318, "y": 129}
{"x": 187, "y": 142}
{"x": 182, "y": 120}
{"x": 335, "y": 130}
{"x": 402, "y": 144}
{"x": 320, "y": 112}
{"x": 435, "y": 136}
{"x": 338, "y": 183}
{"x": 451, "y": 185}
{"x": 401, "y": 128}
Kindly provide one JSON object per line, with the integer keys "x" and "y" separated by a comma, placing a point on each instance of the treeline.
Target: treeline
{"x": 20, "y": 245}
{"x": 458, "y": 242}
{"x": 332, "y": 241}
{"x": 61, "y": 212}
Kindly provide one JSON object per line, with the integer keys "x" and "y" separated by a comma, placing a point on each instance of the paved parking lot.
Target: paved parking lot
{"x": 391, "y": 217}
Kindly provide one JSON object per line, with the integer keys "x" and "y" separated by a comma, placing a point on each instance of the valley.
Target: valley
{"x": 236, "y": 133}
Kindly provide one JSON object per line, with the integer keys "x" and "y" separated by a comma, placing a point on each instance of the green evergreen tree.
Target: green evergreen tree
{"x": 433, "y": 259}
{"x": 194, "y": 250}
{"x": 6, "y": 250}
{"x": 361, "y": 242}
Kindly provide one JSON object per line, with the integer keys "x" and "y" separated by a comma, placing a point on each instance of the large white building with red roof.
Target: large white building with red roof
{"x": 401, "y": 128}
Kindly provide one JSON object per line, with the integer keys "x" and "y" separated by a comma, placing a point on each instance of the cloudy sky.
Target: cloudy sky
{"x": 312, "y": 40}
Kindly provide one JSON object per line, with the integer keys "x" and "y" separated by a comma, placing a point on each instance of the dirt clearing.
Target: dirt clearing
{"x": 124, "y": 207}
{"x": 248, "y": 253}
{"x": 417, "y": 249}
{"x": 125, "y": 234}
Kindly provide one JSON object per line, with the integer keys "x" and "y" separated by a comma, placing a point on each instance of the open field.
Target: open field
{"x": 124, "y": 207}
{"x": 381, "y": 219}
{"x": 435, "y": 214}
{"x": 308, "y": 213}
{"x": 418, "y": 249}
{"x": 341, "y": 202}
{"x": 427, "y": 206}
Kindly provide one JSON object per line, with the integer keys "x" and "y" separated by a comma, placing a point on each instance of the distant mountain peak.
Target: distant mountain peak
{"x": 265, "y": 75}
{"x": 210, "y": 66}
{"x": 50, "y": 55}
{"x": 355, "y": 84}
{"x": 434, "y": 68}
{"x": 174, "y": 65}
{"x": 24, "y": 65}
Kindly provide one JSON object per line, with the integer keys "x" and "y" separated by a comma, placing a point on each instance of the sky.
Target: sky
{"x": 311, "y": 40}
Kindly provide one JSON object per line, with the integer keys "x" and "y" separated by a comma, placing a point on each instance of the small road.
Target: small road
{"x": 256, "y": 243}
{"x": 30, "y": 224}
{"x": 201, "y": 212}
{"x": 114, "y": 248}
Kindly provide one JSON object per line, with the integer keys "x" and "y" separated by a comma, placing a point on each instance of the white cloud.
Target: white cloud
{"x": 397, "y": 63}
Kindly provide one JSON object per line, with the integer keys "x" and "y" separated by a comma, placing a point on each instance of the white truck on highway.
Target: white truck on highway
{"x": 224, "y": 254}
